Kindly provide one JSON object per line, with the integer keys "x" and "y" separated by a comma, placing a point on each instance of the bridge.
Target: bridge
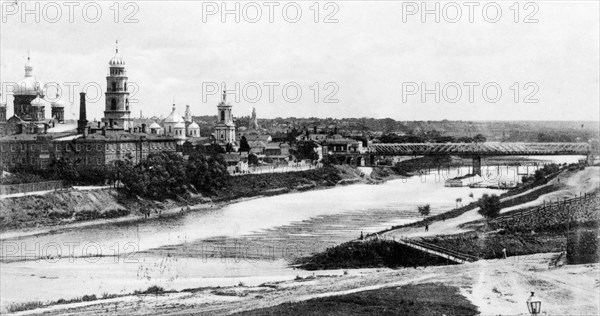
{"x": 481, "y": 149}
{"x": 477, "y": 150}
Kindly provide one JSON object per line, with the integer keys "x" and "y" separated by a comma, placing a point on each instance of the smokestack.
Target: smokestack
{"x": 82, "y": 122}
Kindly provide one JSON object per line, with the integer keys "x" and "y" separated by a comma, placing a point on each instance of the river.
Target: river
{"x": 251, "y": 241}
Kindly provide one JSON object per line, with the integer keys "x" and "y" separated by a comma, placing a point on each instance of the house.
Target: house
{"x": 341, "y": 145}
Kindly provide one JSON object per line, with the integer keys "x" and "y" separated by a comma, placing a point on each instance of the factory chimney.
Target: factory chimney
{"x": 82, "y": 122}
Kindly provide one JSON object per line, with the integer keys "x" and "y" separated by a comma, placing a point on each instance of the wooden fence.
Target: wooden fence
{"x": 9, "y": 189}
{"x": 553, "y": 208}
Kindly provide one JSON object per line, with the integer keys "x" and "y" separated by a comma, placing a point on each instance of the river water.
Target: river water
{"x": 251, "y": 241}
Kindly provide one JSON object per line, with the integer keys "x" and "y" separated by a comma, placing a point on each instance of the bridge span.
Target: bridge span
{"x": 476, "y": 150}
{"x": 481, "y": 149}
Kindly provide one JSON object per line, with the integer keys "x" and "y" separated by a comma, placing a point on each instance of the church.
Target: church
{"x": 29, "y": 139}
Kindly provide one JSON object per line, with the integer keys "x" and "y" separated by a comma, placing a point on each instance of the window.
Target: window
{"x": 222, "y": 115}
{"x": 114, "y": 86}
{"x": 32, "y": 147}
{"x": 12, "y": 147}
{"x": 77, "y": 147}
{"x": 113, "y": 104}
{"x": 125, "y": 85}
{"x": 98, "y": 147}
{"x": 44, "y": 147}
{"x": 88, "y": 147}
{"x": 67, "y": 147}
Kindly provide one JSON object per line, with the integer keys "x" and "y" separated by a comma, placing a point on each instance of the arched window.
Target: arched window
{"x": 114, "y": 86}
{"x": 125, "y": 86}
{"x": 113, "y": 104}
{"x": 222, "y": 115}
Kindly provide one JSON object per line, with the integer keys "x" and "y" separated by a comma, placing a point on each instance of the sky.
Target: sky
{"x": 372, "y": 59}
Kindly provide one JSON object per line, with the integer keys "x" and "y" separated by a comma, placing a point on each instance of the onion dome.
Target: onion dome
{"x": 39, "y": 102}
{"x": 30, "y": 85}
{"x": 58, "y": 103}
{"x": 117, "y": 61}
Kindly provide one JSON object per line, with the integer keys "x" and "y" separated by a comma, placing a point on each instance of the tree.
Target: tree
{"x": 64, "y": 169}
{"x": 479, "y": 138}
{"x": 424, "y": 210}
{"x": 215, "y": 148}
{"x": 244, "y": 146}
{"x": 306, "y": 150}
{"x": 228, "y": 148}
{"x": 489, "y": 206}
{"x": 252, "y": 159}
{"x": 160, "y": 176}
{"x": 207, "y": 172}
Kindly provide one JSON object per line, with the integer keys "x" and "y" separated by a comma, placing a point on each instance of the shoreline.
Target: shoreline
{"x": 134, "y": 217}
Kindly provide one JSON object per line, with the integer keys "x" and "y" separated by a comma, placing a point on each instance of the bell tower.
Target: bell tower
{"x": 116, "y": 112}
{"x": 225, "y": 128}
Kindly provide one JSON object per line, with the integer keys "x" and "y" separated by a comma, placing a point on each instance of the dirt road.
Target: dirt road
{"x": 496, "y": 287}
{"x": 574, "y": 184}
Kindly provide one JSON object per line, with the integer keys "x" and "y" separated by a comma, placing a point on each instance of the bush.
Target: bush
{"x": 114, "y": 213}
{"x": 489, "y": 206}
{"x": 582, "y": 247}
{"x": 154, "y": 289}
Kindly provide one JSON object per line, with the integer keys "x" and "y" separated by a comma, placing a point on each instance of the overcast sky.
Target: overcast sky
{"x": 368, "y": 55}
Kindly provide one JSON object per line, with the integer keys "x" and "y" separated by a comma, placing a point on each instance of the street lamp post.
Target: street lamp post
{"x": 534, "y": 305}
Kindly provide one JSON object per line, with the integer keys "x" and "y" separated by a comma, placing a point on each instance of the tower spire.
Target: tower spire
{"x": 117, "y": 46}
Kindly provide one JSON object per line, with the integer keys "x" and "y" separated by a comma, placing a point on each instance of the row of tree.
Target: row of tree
{"x": 168, "y": 175}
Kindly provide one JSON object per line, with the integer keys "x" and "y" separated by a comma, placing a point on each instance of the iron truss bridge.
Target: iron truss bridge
{"x": 479, "y": 149}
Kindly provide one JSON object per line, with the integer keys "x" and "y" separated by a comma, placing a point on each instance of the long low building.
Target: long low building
{"x": 96, "y": 149}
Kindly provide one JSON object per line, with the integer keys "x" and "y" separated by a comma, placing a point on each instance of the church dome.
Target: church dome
{"x": 117, "y": 61}
{"x": 30, "y": 85}
{"x": 179, "y": 125}
{"x": 154, "y": 126}
{"x": 193, "y": 126}
{"x": 58, "y": 103}
{"x": 173, "y": 118}
{"x": 39, "y": 102}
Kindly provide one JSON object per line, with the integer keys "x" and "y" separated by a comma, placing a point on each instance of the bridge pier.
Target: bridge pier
{"x": 477, "y": 165}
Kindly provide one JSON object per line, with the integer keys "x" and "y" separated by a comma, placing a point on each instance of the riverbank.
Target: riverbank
{"x": 69, "y": 209}
{"x": 490, "y": 285}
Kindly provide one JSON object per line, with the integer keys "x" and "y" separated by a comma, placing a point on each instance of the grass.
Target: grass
{"x": 19, "y": 307}
{"x": 461, "y": 210}
{"x": 370, "y": 254}
{"x": 413, "y": 299}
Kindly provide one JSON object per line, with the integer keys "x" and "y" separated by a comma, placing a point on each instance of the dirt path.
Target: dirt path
{"x": 496, "y": 287}
{"x": 575, "y": 183}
